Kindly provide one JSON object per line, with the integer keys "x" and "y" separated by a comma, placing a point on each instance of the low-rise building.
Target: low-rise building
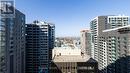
{"x": 66, "y": 60}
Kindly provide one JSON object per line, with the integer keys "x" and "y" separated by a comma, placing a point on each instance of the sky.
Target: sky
{"x": 70, "y": 16}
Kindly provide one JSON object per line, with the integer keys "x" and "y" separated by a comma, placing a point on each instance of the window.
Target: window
{"x": 11, "y": 64}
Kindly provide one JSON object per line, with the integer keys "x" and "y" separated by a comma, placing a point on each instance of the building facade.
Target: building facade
{"x": 94, "y": 26}
{"x": 71, "y": 60}
{"x": 117, "y": 46}
{"x": 85, "y": 41}
{"x": 39, "y": 44}
{"x": 104, "y": 53}
{"x": 12, "y": 43}
{"x": 74, "y": 67}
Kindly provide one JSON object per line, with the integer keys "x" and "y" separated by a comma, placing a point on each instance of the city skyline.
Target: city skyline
{"x": 29, "y": 42}
{"x": 70, "y": 16}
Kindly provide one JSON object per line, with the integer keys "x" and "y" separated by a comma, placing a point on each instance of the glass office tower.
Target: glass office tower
{"x": 39, "y": 44}
{"x": 12, "y": 43}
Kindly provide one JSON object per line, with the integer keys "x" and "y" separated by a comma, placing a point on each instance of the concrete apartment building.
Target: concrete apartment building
{"x": 40, "y": 38}
{"x": 102, "y": 53}
{"x": 116, "y": 42}
{"x": 71, "y": 60}
{"x": 85, "y": 38}
{"x": 12, "y": 43}
{"x": 95, "y": 27}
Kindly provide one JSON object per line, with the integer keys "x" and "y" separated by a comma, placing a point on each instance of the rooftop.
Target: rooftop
{"x": 117, "y": 28}
{"x": 69, "y": 54}
{"x": 71, "y": 58}
{"x": 65, "y": 51}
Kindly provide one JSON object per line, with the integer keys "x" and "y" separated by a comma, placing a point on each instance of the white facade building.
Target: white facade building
{"x": 105, "y": 51}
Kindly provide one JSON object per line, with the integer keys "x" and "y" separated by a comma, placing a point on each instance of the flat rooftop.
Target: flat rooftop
{"x": 71, "y": 58}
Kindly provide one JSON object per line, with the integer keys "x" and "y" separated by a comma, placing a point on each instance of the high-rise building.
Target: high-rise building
{"x": 40, "y": 38}
{"x": 100, "y": 46}
{"x": 12, "y": 43}
{"x": 85, "y": 41}
{"x": 104, "y": 22}
{"x": 95, "y": 24}
{"x": 116, "y": 43}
